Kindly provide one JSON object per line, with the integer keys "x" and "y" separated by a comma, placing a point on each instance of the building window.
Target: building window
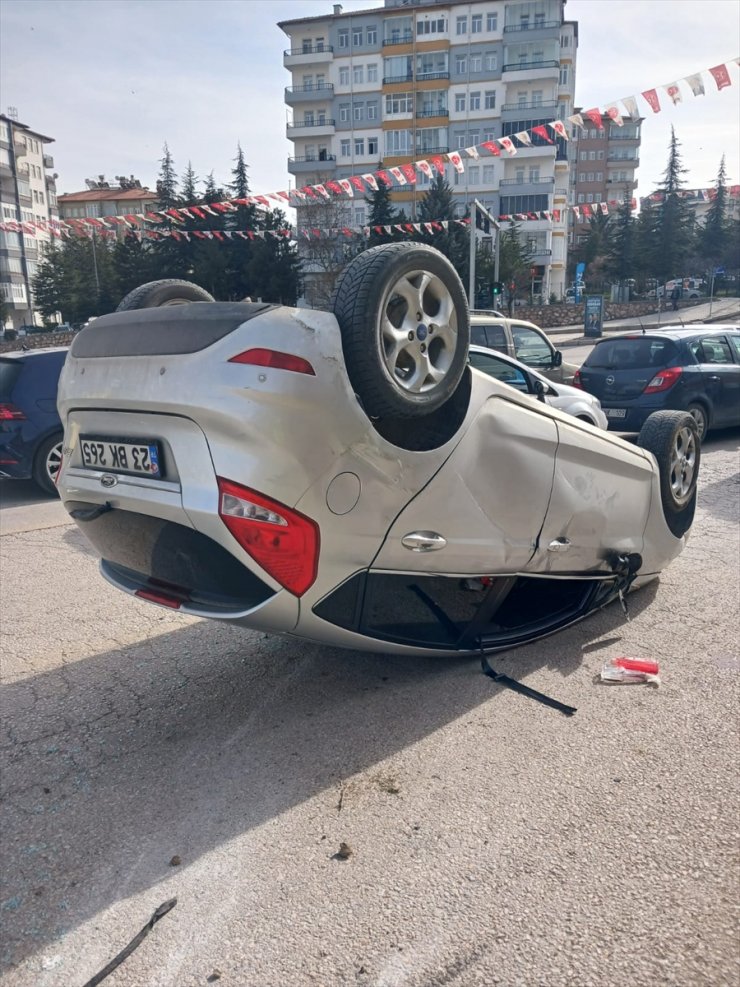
{"x": 590, "y": 176}
{"x": 491, "y": 61}
{"x": 358, "y": 74}
{"x": 592, "y": 155}
{"x": 476, "y": 63}
{"x": 476, "y": 23}
{"x": 488, "y": 174}
{"x": 344, "y": 75}
{"x": 436, "y": 26}
{"x": 360, "y": 215}
{"x": 523, "y": 203}
{"x": 581, "y": 176}
{"x": 344, "y": 113}
{"x": 372, "y": 73}
{"x": 589, "y": 197}
{"x": 563, "y": 75}
{"x": 491, "y": 21}
{"x": 359, "y": 145}
{"x": 489, "y": 136}
{"x": 490, "y": 99}
{"x": 357, "y": 37}
{"x": 474, "y": 137}
{"x": 344, "y": 37}
{"x": 475, "y": 101}
{"x": 583, "y": 156}
{"x": 461, "y": 142}
{"x": 599, "y": 155}
{"x": 372, "y": 36}
{"x": 461, "y": 64}
{"x": 564, "y": 41}
{"x": 399, "y": 103}
{"x": 372, "y": 145}
{"x": 459, "y": 102}
{"x": 372, "y": 111}
{"x": 597, "y": 196}
{"x": 345, "y": 149}
{"x": 357, "y": 112}
{"x": 462, "y": 25}
{"x": 474, "y": 175}
{"x": 397, "y": 142}
{"x": 581, "y": 197}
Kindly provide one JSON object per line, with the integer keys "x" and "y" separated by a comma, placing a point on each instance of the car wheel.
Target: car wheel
{"x": 171, "y": 291}
{"x": 699, "y": 413}
{"x": 403, "y": 316}
{"x": 47, "y": 462}
{"x": 673, "y": 438}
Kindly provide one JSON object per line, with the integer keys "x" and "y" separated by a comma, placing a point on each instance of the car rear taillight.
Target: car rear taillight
{"x": 9, "y": 413}
{"x": 284, "y": 542}
{"x": 259, "y": 357}
{"x": 577, "y": 382}
{"x": 663, "y": 380}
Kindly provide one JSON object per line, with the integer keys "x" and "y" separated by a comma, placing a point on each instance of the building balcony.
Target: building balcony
{"x": 616, "y": 136}
{"x": 51, "y": 182}
{"x": 540, "y": 253}
{"x": 623, "y": 162}
{"x": 308, "y": 55}
{"x": 308, "y": 94}
{"x": 518, "y": 108}
{"x": 389, "y": 80}
{"x": 429, "y": 76}
{"x": 48, "y": 161}
{"x": 535, "y": 151}
{"x": 314, "y": 128}
{"x": 521, "y": 71}
{"x": 426, "y": 114}
{"x": 312, "y": 163}
{"x": 425, "y": 151}
{"x": 400, "y": 39}
{"x": 537, "y": 184}
{"x": 532, "y": 31}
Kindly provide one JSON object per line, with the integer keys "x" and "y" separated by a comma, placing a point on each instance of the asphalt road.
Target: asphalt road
{"x": 147, "y": 755}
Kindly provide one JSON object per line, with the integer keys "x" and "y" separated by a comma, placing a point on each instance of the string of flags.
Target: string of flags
{"x": 139, "y": 224}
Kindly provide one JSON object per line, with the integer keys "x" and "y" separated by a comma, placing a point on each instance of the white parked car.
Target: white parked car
{"x": 569, "y": 399}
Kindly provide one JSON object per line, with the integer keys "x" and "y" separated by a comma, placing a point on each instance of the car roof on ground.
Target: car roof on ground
{"x": 23, "y": 354}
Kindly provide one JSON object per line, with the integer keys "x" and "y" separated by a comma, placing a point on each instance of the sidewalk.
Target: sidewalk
{"x": 723, "y": 310}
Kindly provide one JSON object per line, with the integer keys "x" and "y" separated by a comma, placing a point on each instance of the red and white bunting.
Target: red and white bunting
{"x": 508, "y": 145}
{"x": 674, "y": 93}
{"x": 456, "y": 159}
{"x": 651, "y": 97}
{"x": 472, "y": 152}
{"x": 614, "y": 115}
{"x": 398, "y": 175}
{"x": 695, "y": 83}
{"x": 721, "y": 76}
{"x": 524, "y": 138}
{"x": 630, "y": 104}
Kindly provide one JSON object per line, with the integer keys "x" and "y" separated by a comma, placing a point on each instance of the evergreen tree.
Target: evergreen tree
{"x": 274, "y": 266}
{"x": 189, "y": 185}
{"x": 381, "y": 213}
{"x": 714, "y": 238}
{"x": 437, "y": 205}
{"x": 166, "y": 182}
{"x": 244, "y": 218}
{"x": 621, "y": 250}
{"x": 170, "y": 260}
{"x": 134, "y": 263}
{"x": 672, "y": 234}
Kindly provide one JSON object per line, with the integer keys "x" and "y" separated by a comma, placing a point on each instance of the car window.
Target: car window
{"x": 530, "y": 347}
{"x": 501, "y": 370}
{"x": 635, "y": 353}
{"x": 716, "y": 349}
{"x": 735, "y": 340}
{"x": 492, "y": 336}
{"x": 9, "y": 370}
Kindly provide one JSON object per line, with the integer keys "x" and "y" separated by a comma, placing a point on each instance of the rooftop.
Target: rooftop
{"x": 23, "y": 126}
{"x": 106, "y": 194}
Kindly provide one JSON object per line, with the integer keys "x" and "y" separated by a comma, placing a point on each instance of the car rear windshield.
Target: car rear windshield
{"x": 638, "y": 353}
{"x": 9, "y": 370}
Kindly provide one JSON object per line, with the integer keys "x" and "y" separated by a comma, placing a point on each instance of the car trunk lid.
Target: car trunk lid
{"x": 620, "y": 369}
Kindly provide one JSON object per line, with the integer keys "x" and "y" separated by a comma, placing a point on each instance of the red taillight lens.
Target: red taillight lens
{"x": 259, "y": 357}
{"x": 9, "y": 413}
{"x": 163, "y": 599}
{"x": 576, "y": 382}
{"x": 284, "y": 542}
{"x": 662, "y": 381}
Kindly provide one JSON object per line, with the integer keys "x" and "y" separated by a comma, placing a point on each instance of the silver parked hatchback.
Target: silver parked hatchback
{"x": 345, "y": 477}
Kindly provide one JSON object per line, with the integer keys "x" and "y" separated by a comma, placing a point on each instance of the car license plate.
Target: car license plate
{"x": 615, "y": 412}
{"x": 139, "y": 459}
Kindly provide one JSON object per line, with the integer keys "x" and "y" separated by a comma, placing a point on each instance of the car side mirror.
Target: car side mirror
{"x": 539, "y": 389}
{"x": 557, "y": 359}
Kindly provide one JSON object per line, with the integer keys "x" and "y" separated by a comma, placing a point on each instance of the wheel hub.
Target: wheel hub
{"x": 421, "y": 332}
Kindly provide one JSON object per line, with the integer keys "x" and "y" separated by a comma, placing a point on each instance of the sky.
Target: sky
{"x": 112, "y": 80}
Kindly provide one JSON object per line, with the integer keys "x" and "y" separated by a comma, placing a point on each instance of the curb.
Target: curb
{"x": 579, "y": 339}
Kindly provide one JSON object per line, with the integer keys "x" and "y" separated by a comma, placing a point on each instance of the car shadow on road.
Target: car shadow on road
{"x": 180, "y": 743}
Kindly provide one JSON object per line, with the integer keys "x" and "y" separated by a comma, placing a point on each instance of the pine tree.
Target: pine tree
{"x": 381, "y": 213}
{"x": 189, "y": 185}
{"x": 244, "y": 218}
{"x": 672, "y": 234}
{"x": 715, "y": 237}
{"x": 274, "y": 266}
{"x": 437, "y": 205}
{"x": 621, "y": 251}
{"x": 166, "y": 182}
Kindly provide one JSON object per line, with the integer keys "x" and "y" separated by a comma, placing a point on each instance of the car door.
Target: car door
{"x": 501, "y": 370}
{"x": 720, "y": 374}
{"x": 534, "y": 349}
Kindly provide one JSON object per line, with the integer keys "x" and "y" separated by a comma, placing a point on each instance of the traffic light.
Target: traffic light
{"x": 482, "y": 222}
{"x": 498, "y": 287}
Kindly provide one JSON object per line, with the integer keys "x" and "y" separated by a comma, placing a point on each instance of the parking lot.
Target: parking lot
{"x": 489, "y": 839}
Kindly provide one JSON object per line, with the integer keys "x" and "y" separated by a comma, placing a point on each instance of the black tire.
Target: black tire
{"x": 673, "y": 438}
{"x": 701, "y": 416}
{"x": 46, "y": 463}
{"x": 403, "y": 315}
{"x": 170, "y": 291}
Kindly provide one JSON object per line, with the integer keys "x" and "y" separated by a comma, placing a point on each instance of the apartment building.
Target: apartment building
{"x": 700, "y": 201}
{"x": 27, "y": 196}
{"x": 414, "y": 78}
{"x": 102, "y": 199}
{"x": 604, "y": 162}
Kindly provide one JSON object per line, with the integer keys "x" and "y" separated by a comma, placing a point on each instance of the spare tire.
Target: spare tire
{"x": 403, "y": 315}
{"x": 673, "y": 438}
{"x": 170, "y": 291}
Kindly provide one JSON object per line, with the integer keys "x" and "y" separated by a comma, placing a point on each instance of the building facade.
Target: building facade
{"x": 105, "y": 200}
{"x": 603, "y": 167}
{"x": 399, "y": 83}
{"x": 27, "y": 196}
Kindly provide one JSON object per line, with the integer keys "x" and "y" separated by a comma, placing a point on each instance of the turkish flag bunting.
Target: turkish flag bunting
{"x": 721, "y": 76}
{"x": 425, "y": 168}
{"x": 594, "y": 116}
{"x": 383, "y": 177}
{"x": 398, "y": 175}
{"x": 696, "y": 84}
{"x": 508, "y": 144}
{"x": 541, "y": 131}
{"x": 438, "y": 163}
{"x": 454, "y": 157}
{"x": 218, "y": 235}
{"x": 428, "y": 227}
{"x": 524, "y": 137}
{"x": 370, "y": 179}
{"x": 559, "y": 127}
{"x": 335, "y": 187}
{"x": 492, "y": 147}
{"x": 472, "y": 152}
{"x": 651, "y": 97}
{"x": 631, "y": 106}
{"x": 613, "y": 113}
{"x": 674, "y": 92}
{"x": 357, "y": 182}
{"x": 199, "y": 234}
{"x": 409, "y": 172}
{"x": 347, "y": 187}
{"x": 576, "y": 212}
{"x": 322, "y": 191}
{"x": 604, "y": 208}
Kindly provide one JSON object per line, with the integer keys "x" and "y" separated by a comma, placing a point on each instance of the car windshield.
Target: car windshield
{"x": 637, "y": 353}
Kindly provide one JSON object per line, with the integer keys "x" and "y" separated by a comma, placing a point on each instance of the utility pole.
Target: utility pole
{"x": 479, "y": 207}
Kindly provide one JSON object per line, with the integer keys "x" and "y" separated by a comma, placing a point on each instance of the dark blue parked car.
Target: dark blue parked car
{"x": 30, "y": 430}
{"x": 694, "y": 369}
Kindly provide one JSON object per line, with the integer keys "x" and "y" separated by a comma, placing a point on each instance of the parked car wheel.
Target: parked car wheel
{"x": 170, "y": 291}
{"x": 673, "y": 438}
{"x": 47, "y": 463}
{"x": 405, "y": 330}
{"x": 699, "y": 413}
